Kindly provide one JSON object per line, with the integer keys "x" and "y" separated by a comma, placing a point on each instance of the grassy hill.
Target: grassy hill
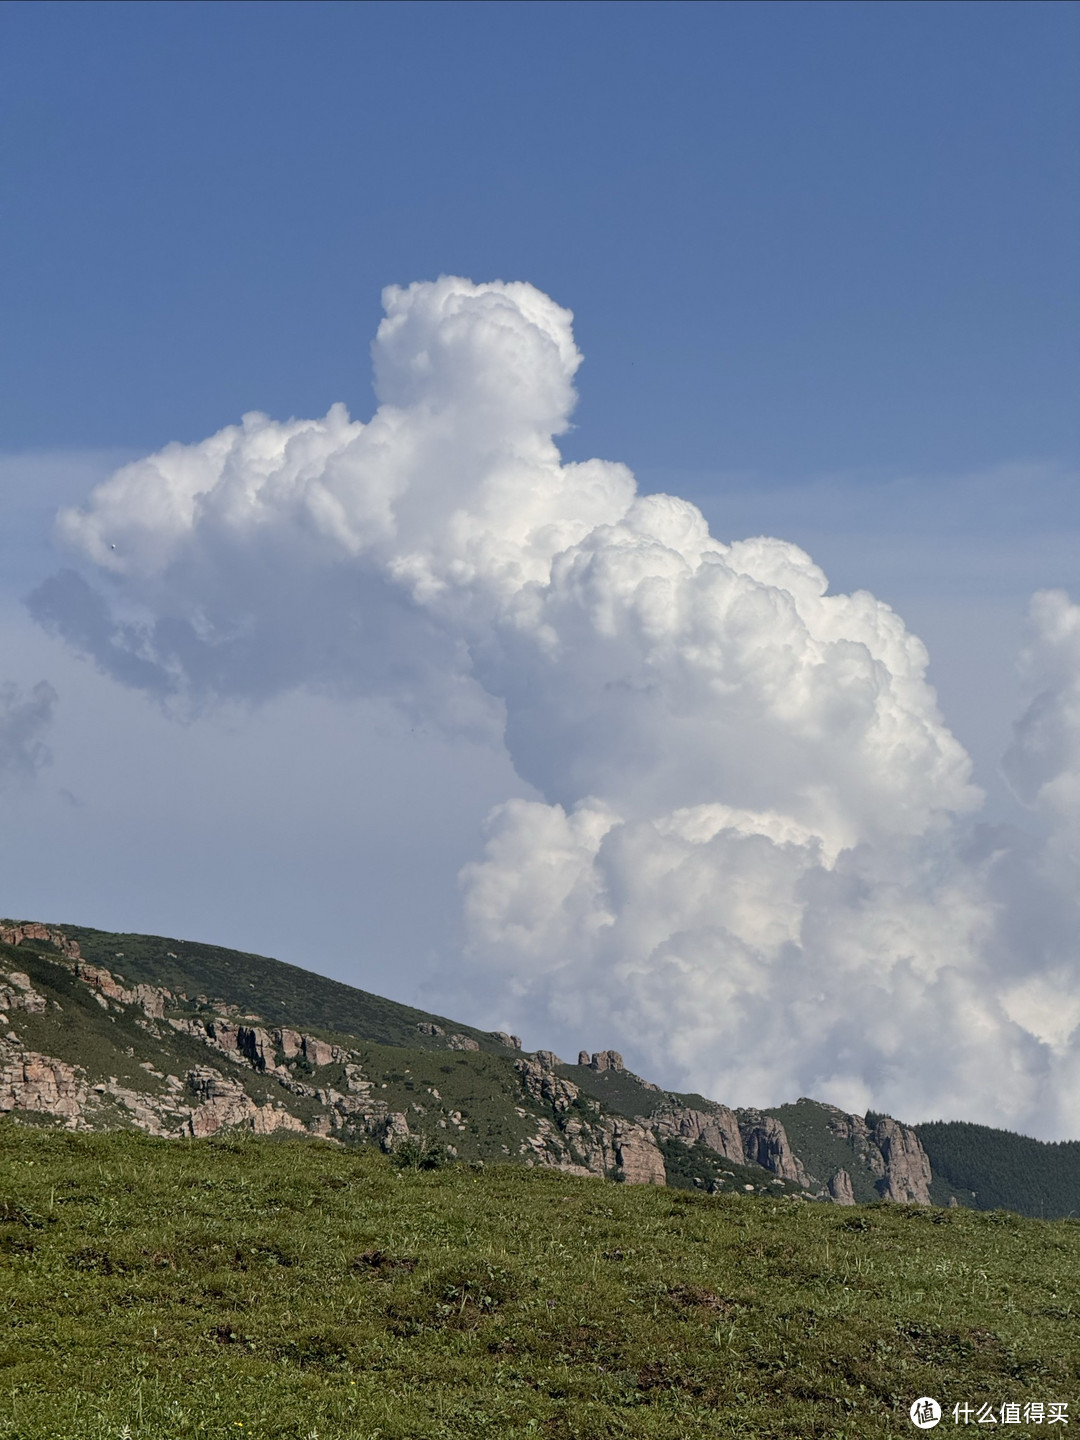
{"x": 282, "y": 994}
{"x": 172, "y": 1290}
{"x": 455, "y": 1090}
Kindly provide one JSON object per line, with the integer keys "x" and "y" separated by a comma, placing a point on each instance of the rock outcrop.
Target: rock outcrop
{"x": 765, "y": 1143}
{"x": 151, "y": 999}
{"x": 577, "y": 1138}
{"x": 33, "y": 931}
{"x": 892, "y": 1153}
{"x": 637, "y": 1155}
{"x": 319, "y": 1052}
{"x": 603, "y": 1060}
{"x": 289, "y": 1042}
{"x": 907, "y": 1168}
{"x": 17, "y": 993}
{"x": 225, "y": 1103}
{"x": 840, "y": 1189}
{"x": 717, "y": 1127}
{"x": 41, "y": 1085}
{"x": 543, "y": 1084}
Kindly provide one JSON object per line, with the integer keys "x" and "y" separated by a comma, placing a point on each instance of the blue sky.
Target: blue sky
{"x": 797, "y": 238}
{"x": 822, "y": 264}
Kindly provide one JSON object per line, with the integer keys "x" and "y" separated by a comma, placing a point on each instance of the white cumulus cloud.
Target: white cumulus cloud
{"x": 750, "y": 865}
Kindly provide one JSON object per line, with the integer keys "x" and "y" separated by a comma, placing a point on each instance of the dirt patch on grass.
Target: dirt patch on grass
{"x": 378, "y": 1262}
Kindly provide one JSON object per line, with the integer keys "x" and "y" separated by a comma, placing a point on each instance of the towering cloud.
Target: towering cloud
{"x": 750, "y": 861}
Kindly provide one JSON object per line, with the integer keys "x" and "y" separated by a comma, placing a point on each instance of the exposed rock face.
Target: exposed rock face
{"x": 256, "y": 1045}
{"x": 570, "y": 1130}
{"x": 891, "y": 1152}
{"x": 17, "y": 993}
{"x": 150, "y": 998}
{"x": 765, "y": 1143}
{"x": 543, "y": 1084}
{"x": 40, "y": 1084}
{"x": 717, "y": 1127}
{"x": 355, "y": 1082}
{"x": 221, "y": 1102}
{"x": 840, "y": 1188}
{"x": 637, "y": 1155}
{"x": 226, "y": 1103}
{"x": 165, "y": 1115}
{"x": 604, "y": 1060}
{"x": 32, "y": 930}
{"x": 394, "y": 1129}
{"x": 575, "y": 1142}
{"x": 907, "y": 1168}
{"x": 289, "y": 1042}
{"x": 319, "y": 1052}
{"x": 854, "y": 1129}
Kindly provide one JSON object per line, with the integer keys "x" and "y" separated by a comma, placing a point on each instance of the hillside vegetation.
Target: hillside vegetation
{"x": 1002, "y": 1169}
{"x": 287, "y": 1289}
{"x": 101, "y": 1030}
{"x": 283, "y": 994}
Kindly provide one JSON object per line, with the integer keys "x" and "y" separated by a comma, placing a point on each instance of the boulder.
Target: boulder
{"x": 318, "y": 1052}
{"x": 393, "y": 1130}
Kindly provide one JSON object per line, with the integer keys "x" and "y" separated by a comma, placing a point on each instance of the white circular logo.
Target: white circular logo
{"x": 925, "y": 1412}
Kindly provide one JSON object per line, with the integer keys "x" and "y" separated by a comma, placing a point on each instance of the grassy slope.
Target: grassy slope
{"x": 282, "y": 994}
{"x": 619, "y": 1091}
{"x": 279, "y": 1290}
{"x": 104, "y": 1043}
{"x": 481, "y": 1087}
{"x": 977, "y": 1165}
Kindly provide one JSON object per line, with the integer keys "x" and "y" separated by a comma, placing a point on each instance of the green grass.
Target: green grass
{"x": 161, "y": 1290}
{"x": 619, "y": 1091}
{"x": 282, "y": 994}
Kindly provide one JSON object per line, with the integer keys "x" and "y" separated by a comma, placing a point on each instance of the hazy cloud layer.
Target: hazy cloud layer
{"x": 751, "y": 866}
{"x": 24, "y": 719}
